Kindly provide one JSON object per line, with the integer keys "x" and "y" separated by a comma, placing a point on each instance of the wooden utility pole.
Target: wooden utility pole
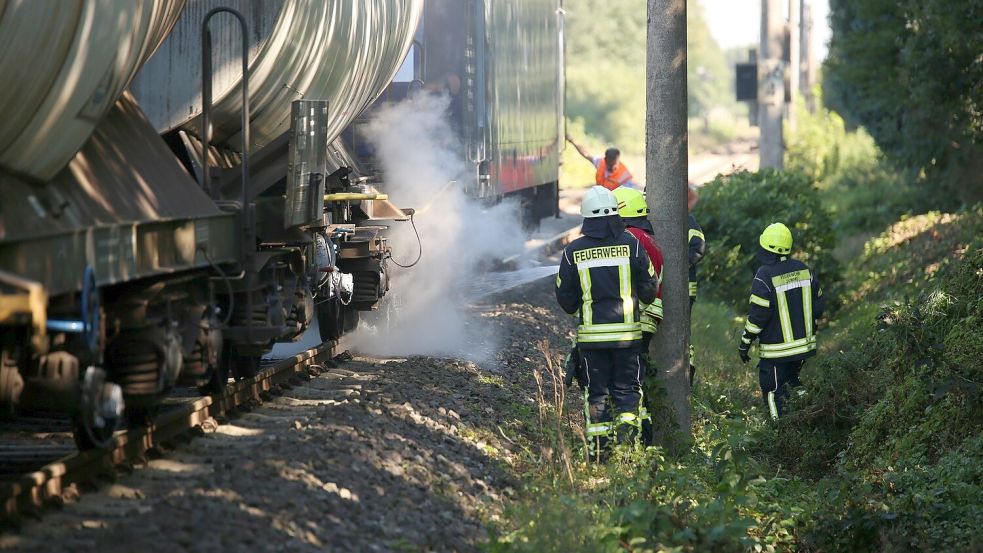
{"x": 771, "y": 84}
{"x": 666, "y": 182}
{"x": 793, "y": 59}
{"x": 807, "y": 75}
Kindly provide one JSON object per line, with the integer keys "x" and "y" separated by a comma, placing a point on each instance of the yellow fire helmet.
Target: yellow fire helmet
{"x": 776, "y": 239}
{"x": 631, "y": 202}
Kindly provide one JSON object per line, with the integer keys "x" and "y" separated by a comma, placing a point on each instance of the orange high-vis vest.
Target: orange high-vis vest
{"x": 615, "y": 178}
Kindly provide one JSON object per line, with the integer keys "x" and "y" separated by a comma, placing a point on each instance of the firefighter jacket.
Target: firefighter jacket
{"x": 697, "y": 248}
{"x": 652, "y": 312}
{"x": 611, "y": 179}
{"x": 603, "y": 279}
{"x": 786, "y": 300}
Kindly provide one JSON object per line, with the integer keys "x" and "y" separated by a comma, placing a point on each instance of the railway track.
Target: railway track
{"x": 41, "y": 471}
{"x": 40, "y": 466}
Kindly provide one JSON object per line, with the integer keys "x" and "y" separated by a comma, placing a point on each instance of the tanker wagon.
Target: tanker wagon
{"x": 158, "y": 228}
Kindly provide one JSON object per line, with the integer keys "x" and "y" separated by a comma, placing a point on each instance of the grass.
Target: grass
{"x": 820, "y": 480}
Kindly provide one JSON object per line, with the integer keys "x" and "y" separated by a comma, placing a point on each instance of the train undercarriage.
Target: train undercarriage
{"x": 220, "y": 290}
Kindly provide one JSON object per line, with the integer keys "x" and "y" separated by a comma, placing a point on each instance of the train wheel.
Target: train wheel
{"x": 330, "y": 319}
{"x": 245, "y": 366}
{"x": 218, "y": 377}
{"x": 101, "y": 411}
{"x": 218, "y": 370}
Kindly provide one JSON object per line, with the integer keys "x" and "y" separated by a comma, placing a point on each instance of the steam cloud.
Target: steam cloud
{"x": 419, "y": 154}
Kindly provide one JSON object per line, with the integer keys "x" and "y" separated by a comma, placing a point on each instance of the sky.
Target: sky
{"x": 738, "y": 23}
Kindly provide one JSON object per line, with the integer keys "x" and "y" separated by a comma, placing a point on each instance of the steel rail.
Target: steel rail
{"x": 31, "y": 492}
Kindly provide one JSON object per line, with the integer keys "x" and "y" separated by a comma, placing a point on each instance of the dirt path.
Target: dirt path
{"x": 374, "y": 455}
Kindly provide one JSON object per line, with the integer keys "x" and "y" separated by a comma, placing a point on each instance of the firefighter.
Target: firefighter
{"x": 634, "y": 212}
{"x": 610, "y": 172}
{"x": 697, "y": 249}
{"x": 603, "y": 278}
{"x": 786, "y": 302}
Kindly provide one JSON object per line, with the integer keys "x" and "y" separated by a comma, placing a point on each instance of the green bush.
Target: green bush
{"x": 863, "y": 191}
{"x": 734, "y": 209}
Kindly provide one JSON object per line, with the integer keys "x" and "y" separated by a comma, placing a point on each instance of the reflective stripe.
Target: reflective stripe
{"x": 630, "y": 419}
{"x": 792, "y": 285}
{"x": 758, "y": 300}
{"x": 692, "y": 288}
{"x": 745, "y": 340}
{"x": 611, "y": 337}
{"x": 627, "y": 417}
{"x": 772, "y": 406}
{"x": 807, "y": 307}
{"x": 586, "y": 312}
{"x": 649, "y": 324}
{"x": 558, "y": 281}
{"x": 787, "y": 353}
{"x": 627, "y": 301}
{"x": 604, "y": 262}
{"x": 654, "y": 309}
{"x": 652, "y": 272}
{"x": 789, "y": 345}
{"x": 609, "y": 327}
{"x": 784, "y": 317}
{"x": 598, "y": 429}
{"x": 693, "y": 233}
{"x": 593, "y": 428}
{"x": 751, "y": 327}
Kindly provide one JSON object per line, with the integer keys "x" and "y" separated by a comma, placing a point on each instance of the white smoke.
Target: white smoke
{"x": 419, "y": 155}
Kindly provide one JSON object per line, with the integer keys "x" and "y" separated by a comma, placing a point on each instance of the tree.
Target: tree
{"x": 910, "y": 72}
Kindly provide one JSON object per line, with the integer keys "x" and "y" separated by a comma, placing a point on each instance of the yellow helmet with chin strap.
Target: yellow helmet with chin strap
{"x": 631, "y": 202}
{"x": 776, "y": 238}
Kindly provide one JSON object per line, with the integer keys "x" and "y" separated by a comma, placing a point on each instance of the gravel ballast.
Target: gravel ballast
{"x": 400, "y": 454}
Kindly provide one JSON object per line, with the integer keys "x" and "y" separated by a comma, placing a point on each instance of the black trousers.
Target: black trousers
{"x": 776, "y": 379}
{"x": 614, "y": 372}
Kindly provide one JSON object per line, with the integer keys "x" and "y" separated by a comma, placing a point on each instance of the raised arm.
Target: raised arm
{"x": 581, "y": 150}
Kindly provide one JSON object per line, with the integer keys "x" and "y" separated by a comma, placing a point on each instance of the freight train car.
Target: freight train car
{"x": 501, "y": 63}
{"x": 173, "y": 233}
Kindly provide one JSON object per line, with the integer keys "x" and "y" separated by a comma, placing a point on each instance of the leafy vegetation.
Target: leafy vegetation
{"x": 910, "y": 72}
{"x": 733, "y": 211}
{"x": 885, "y": 452}
{"x": 605, "y": 72}
{"x": 863, "y": 190}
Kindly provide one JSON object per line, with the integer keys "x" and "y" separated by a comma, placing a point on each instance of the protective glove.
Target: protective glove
{"x": 745, "y": 357}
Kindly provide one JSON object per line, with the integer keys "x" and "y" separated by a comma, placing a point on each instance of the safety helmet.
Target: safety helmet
{"x": 776, "y": 239}
{"x": 631, "y": 202}
{"x": 598, "y": 202}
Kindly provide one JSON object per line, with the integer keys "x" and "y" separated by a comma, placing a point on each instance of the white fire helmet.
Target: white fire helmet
{"x": 598, "y": 202}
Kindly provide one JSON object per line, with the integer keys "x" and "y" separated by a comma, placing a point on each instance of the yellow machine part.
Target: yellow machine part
{"x": 27, "y": 298}
{"x": 379, "y": 208}
{"x": 354, "y": 196}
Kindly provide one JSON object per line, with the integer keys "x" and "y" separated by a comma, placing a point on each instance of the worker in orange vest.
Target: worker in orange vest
{"x": 611, "y": 173}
